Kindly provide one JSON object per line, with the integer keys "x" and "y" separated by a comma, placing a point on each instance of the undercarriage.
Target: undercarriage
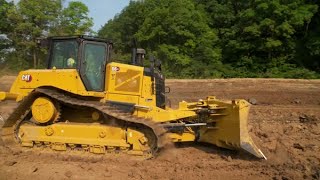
{"x": 78, "y": 124}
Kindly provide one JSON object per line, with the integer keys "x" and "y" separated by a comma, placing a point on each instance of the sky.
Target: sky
{"x": 103, "y": 10}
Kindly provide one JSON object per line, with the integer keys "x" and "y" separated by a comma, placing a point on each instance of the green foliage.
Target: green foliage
{"x": 211, "y": 38}
{"x": 181, "y": 37}
{"x": 123, "y": 27}
{"x": 4, "y": 22}
{"x": 23, "y": 23}
{"x": 291, "y": 71}
{"x": 310, "y": 46}
{"x": 193, "y": 38}
{"x": 5, "y": 27}
{"x": 31, "y": 19}
{"x": 73, "y": 20}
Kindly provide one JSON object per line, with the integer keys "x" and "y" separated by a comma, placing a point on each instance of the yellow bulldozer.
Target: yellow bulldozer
{"x": 84, "y": 101}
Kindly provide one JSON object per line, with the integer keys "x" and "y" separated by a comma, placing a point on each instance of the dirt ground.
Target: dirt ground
{"x": 284, "y": 123}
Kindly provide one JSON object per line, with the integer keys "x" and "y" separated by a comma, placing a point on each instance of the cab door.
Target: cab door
{"x": 93, "y": 63}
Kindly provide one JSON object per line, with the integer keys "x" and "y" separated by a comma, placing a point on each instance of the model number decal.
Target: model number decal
{"x": 26, "y": 77}
{"x": 115, "y": 68}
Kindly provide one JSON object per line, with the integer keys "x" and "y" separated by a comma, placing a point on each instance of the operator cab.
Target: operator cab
{"x": 90, "y": 55}
{"x": 86, "y": 54}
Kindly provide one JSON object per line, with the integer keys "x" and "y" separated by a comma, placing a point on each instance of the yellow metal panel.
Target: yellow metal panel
{"x": 122, "y": 98}
{"x": 124, "y": 79}
{"x": 183, "y": 137}
{"x": 147, "y": 93}
{"x": 65, "y": 79}
{"x": 73, "y": 133}
{"x": 131, "y": 85}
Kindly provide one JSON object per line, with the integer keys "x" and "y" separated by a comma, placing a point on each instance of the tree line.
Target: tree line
{"x": 223, "y": 38}
{"x": 193, "y": 38}
{"x": 23, "y": 23}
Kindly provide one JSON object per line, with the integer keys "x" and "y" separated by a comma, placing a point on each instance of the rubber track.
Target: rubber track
{"x": 17, "y": 116}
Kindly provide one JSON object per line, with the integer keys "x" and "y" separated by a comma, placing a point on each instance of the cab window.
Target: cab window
{"x": 64, "y": 54}
{"x": 94, "y": 64}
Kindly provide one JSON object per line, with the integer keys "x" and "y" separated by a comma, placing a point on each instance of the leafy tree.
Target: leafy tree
{"x": 310, "y": 54}
{"x": 4, "y": 22}
{"x": 122, "y": 28}
{"x": 73, "y": 20}
{"x": 203, "y": 39}
{"x": 260, "y": 35}
{"x": 174, "y": 30}
{"x": 215, "y": 38}
{"x": 31, "y": 19}
{"x": 5, "y": 27}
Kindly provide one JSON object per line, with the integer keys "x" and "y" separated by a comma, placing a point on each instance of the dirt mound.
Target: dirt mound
{"x": 284, "y": 122}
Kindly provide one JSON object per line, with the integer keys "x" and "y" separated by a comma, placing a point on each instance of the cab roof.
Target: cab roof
{"x": 84, "y": 37}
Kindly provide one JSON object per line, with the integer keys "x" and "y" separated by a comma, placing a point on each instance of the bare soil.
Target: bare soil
{"x": 284, "y": 123}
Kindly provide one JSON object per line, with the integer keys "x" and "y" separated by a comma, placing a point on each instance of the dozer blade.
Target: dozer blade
{"x": 229, "y": 130}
